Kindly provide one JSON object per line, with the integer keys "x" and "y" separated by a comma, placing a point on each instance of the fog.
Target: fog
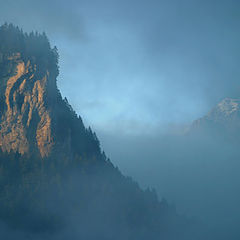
{"x": 139, "y": 72}
{"x": 199, "y": 177}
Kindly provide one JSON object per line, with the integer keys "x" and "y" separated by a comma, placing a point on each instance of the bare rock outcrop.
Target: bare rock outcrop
{"x": 25, "y": 120}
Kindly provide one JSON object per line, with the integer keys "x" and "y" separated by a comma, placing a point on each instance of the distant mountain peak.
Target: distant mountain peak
{"x": 226, "y": 107}
{"x": 223, "y": 120}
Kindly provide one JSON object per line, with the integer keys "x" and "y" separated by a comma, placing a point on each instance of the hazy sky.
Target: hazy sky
{"x": 134, "y": 66}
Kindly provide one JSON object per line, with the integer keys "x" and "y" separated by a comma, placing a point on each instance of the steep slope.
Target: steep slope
{"x": 54, "y": 178}
{"x": 26, "y": 84}
{"x": 34, "y": 116}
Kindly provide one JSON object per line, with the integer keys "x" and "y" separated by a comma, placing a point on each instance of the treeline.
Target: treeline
{"x": 31, "y": 46}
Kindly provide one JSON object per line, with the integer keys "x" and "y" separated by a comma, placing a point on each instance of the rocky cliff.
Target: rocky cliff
{"x": 34, "y": 117}
{"x": 25, "y": 119}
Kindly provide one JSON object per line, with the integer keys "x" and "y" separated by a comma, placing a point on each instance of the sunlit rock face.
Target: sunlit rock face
{"x": 25, "y": 118}
{"x": 34, "y": 118}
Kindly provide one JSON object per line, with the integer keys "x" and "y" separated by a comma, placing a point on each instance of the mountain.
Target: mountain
{"x": 55, "y": 181}
{"x": 34, "y": 117}
{"x": 223, "y": 121}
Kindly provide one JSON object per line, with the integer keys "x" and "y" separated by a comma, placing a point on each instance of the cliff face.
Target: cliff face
{"x": 28, "y": 91}
{"x": 33, "y": 116}
{"x": 25, "y": 119}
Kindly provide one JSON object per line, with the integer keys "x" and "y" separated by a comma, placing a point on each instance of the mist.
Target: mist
{"x": 199, "y": 175}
